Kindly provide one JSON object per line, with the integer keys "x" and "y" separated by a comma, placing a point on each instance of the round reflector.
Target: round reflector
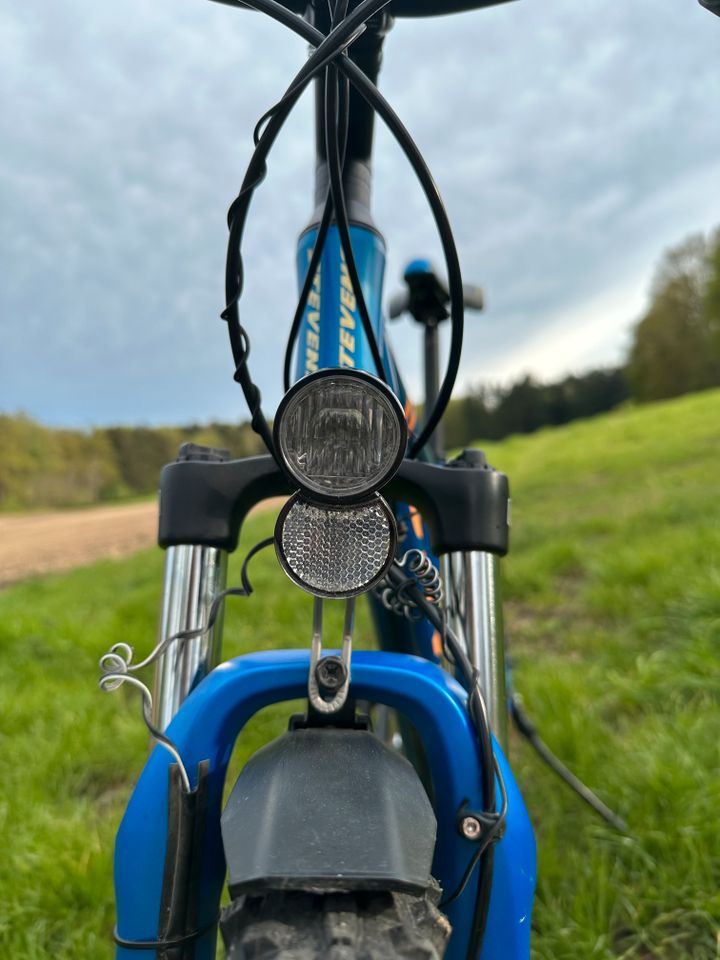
{"x": 335, "y": 550}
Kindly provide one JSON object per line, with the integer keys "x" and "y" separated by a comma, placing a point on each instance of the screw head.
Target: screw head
{"x": 331, "y": 673}
{"x": 470, "y": 827}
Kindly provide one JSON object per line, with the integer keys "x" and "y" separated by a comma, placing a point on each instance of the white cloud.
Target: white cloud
{"x": 572, "y": 143}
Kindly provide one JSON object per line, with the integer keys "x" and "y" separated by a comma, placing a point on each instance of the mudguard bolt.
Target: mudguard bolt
{"x": 470, "y": 827}
{"x": 331, "y": 673}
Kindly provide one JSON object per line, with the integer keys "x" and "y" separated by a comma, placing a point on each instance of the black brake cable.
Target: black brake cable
{"x": 256, "y": 173}
{"x": 342, "y": 36}
{"x": 527, "y": 729}
{"x": 336, "y": 127}
{"x": 335, "y": 178}
{"x": 299, "y": 86}
{"x": 489, "y": 767}
{"x": 314, "y": 264}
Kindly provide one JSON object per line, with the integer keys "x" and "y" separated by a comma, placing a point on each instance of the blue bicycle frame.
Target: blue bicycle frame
{"x": 332, "y": 336}
{"x": 205, "y": 727}
{"x": 201, "y": 710}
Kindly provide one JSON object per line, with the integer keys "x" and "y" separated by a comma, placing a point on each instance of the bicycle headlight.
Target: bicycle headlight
{"x": 340, "y": 434}
{"x": 335, "y": 550}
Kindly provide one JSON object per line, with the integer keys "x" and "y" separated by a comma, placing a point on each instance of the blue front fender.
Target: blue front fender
{"x": 206, "y": 728}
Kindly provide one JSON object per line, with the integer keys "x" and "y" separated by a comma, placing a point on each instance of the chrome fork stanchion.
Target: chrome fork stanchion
{"x": 472, "y": 585}
{"x": 194, "y": 576}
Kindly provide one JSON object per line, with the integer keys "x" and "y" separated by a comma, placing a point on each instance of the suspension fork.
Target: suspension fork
{"x": 471, "y": 581}
{"x": 473, "y": 606}
{"x": 194, "y": 576}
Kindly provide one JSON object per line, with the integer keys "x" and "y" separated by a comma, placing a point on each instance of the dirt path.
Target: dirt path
{"x": 42, "y": 542}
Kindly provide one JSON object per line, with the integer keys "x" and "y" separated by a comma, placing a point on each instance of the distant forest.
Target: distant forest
{"x": 525, "y": 406}
{"x": 675, "y": 350}
{"x": 43, "y": 467}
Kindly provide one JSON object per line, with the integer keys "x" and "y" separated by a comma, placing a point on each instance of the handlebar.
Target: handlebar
{"x": 426, "y": 296}
{"x": 421, "y": 8}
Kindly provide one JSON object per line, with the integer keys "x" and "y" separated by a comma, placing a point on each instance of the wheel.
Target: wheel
{"x": 295, "y": 925}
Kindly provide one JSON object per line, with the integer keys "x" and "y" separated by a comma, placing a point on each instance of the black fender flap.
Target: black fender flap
{"x": 328, "y": 809}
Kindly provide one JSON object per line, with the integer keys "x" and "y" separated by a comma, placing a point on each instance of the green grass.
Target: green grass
{"x": 613, "y": 588}
{"x": 613, "y": 621}
{"x": 69, "y": 754}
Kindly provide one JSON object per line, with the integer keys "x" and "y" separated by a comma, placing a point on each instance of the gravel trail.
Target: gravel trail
{"x": 41, "y": 542}
{"x": 33, "y": 543}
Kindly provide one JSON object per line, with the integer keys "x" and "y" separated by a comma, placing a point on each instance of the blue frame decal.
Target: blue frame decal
{"x": 206, "y": 727}
{"x": 331, "y": 334}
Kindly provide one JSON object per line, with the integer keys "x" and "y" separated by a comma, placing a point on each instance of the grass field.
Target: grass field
{"x": 613, "y": 589}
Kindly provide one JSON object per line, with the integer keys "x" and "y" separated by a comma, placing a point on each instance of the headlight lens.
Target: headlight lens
{"x": 340, "y": 434}
{"x": 333, "y": 550}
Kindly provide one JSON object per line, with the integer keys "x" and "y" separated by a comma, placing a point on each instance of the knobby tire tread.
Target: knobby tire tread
{"x": 297, "y": 925}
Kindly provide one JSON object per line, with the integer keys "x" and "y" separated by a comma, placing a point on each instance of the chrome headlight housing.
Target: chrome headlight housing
{"x": 340, "y": 434}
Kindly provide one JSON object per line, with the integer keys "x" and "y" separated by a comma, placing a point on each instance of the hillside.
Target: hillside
{"x": 613, "y": 621}
{"x": 613, "y": 587}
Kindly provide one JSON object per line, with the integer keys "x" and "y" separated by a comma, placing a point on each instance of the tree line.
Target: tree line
{"x": 492, "y": 413}
{"x": 45, "y": 467}
{"x": 676, "y": 344}
{"x": 675, "y": 350}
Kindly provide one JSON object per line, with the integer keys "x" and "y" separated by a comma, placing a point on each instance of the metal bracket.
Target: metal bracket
{"x": 475, "y": 825}
{"x": 330, "y": 674}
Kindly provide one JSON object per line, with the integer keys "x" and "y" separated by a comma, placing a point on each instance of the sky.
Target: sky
{"x": 572, "y": 142}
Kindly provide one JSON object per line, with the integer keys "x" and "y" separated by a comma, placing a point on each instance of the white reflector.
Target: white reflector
{"x": 335, "y": 551}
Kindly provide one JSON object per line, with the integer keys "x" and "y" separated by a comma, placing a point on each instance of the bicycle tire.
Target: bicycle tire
{"x": 363, "y": 925}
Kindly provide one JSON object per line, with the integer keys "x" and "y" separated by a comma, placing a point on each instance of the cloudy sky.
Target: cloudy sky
{"x": 573, "y": 140}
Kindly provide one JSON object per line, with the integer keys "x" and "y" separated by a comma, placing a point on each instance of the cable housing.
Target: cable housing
{"x": 330, "y": 54}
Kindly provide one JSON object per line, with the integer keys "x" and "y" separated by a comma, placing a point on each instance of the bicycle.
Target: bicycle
{"x": 336, "y": 845}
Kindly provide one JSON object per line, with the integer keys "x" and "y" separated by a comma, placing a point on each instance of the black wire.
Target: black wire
{"x": 368, "y": 90}
{"x": 312, "y": 270}
{"x": 526, "y": 728}
{"x": 314, "y": 264}
{"x": 289, "y": 94}
{"x": 490, "y": 837}
{"x": 447, "y": 652}
{"x": 344, "y": 34}
{"x": 489, "y": 768}
{"x": 335, "y": 178}
{"x": 245, "y": 590}
{"x": 336, "y": 124}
